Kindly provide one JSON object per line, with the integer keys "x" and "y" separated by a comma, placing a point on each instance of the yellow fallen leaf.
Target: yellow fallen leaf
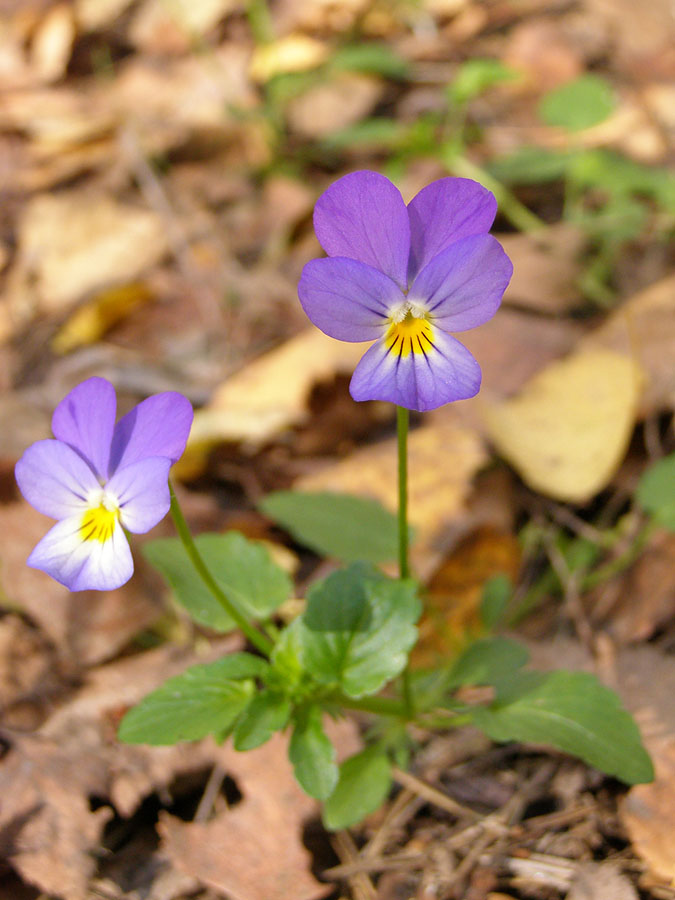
{"x": 295, "y": 53}
{"x": 267, "y": 395}
{"x": 566, "y": 432}
{"x": 443, "y": 457}
{"x": 89, "y": 323}
{"x": 52, "y": 44}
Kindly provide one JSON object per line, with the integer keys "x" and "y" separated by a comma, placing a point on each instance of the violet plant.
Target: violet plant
{"x": 403, "y": 277}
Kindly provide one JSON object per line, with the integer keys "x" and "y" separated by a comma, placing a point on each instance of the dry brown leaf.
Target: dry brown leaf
{"x": 268, "y": 395}
{"x": 86, "y": 626}
{"x": 171, "y": 26}
{"x": 443, "y": 458}
{"x": 52, "y": 43}
{"x": 95, "y": 14}
{"x": 644, "y": 327}
{"x": 75, "y": 242}
{"x": 568, "y": 429}
{"x": 254, "y": 850}
{"x": 325, "y": 108}
{"x": 545, "y": 268}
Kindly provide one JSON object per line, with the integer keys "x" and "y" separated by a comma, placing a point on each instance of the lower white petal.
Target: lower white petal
{"x": 80, "y": 564}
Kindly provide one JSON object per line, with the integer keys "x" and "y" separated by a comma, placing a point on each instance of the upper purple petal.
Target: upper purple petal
{"x": 159, "y": 426}
{"x": 142, "y": 492}
{"x": 462, "y": 286}
{"x": 347, "y": 299}
{"x": 363, "y": 216}
{"x": 444, "y": 372}
{"x": 85, "y": 419}
{"x": 444, "y": 212}
{"x": 55, "y": 479}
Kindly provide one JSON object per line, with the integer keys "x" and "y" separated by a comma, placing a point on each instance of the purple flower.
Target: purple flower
{"x": 98, "y": 478}
{"x": 405, "y": 277}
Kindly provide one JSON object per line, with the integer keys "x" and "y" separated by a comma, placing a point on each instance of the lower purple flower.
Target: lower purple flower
{"x": 99, "y": 478}
{"x": 405, "y": 277}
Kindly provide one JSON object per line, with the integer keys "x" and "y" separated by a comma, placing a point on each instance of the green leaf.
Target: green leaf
{"x": 340, "y": 525}
{"x": 313, "y": 755}
{"x": 374, "y": 58}
{"x": 242, "y": 568}
{"x": 364, "y": 782}
{"x": 476, "y": 76}
{"x": 206, "y": 699}
{"x": 656, "y": 491}
{"x": 495, "y": 600}
{"x": 357, "y": 629}
{"x": 268, "y": 711}
{"x": 574, "y": 712}
{"x": 531, "y": 165}
{"x": 579, "y": 104}
{"x": 487, "y": 661}
{"x": 376, "y": 132}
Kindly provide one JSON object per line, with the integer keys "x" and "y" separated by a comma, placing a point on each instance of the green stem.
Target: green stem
{"x": 620, "y": 563}
{"x": 381, "y": 706}
{"x": 402, "y": 419}
{"x": 402, "y": 422}
{"x": 264, "y": 644}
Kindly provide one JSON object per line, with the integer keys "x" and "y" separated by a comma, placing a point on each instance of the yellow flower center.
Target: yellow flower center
{"x": 410, "y": 331}
{"x": 98, "y": 522}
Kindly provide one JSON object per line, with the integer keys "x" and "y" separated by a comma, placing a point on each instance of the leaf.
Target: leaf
{"x": 495, "y": 600}
{"x": 357, "y": 629}
{"x": 574, "y": 712}
{"x": 579, "y": 104}
{"x": 488, "y": 661}
{"x": 656, "y": 491}
{"x": 339, "y": 525}
{"x": 243, "y": 569}
{"x": 531, "y": 165}
{"x": 372, "y": 58}
{"x": 267, "y": 712}
{"x": 313, "y": 755}
{"x": 476, "y": 76}
{"x": 206, "y": 699}
{"x": 364, "y": 782}
{"x": 568, "y": 429}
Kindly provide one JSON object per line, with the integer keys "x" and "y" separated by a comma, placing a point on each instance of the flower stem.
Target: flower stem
{"x": 402, "y": 420}
{"x": 259, "y": 640}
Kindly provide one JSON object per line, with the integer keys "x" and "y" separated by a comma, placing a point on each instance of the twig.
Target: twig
{"x": 361, "y": 885}
{"x": 211, "y": 791}
{"x": 433, "y": 795}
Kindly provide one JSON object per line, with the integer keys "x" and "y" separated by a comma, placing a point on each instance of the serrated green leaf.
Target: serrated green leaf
{"x": 313, "y": 755}
{"x": 357, "y": 629}
{"x": 487, "y": 661}
{"x": 268, "y": 711}
{"x": 243, "y": 569}
{"x": 340, "y": 525}
{"x": 364, "y": 782}
{"x": 206, "y": 699}
{"x": 579, "y": 104}
{"x": 574, "y": 712}
{"x": 656, "y": 491}
{"x": 495, "y": 600}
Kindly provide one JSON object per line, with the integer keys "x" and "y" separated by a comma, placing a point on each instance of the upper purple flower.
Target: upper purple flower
{"x": 405, "y": 277}
{"x": 99, "y": 478}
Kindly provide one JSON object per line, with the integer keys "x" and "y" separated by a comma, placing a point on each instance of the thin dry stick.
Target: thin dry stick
{"x": 361, "y": 885}
{"x": 401, "y": 811}
{"x": 433, "y": 795}
{"x": 571, "y": 594}
{"x": 211, "y": 791}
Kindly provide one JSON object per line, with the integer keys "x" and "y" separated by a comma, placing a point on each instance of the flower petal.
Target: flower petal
{"x": 142, "y": 493}
{"x": 83, "y": 565}
{"x": 444, "y": 212}
{"x": 55, "y": 479}
{"x": 363, "y": 216}
{"x": 462, "y": 287}
{"x": 347, "y": 299}
{"x": 159, "y": 426}
{"x": 421, "y": 380}
{"x": 85, "y": 419}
